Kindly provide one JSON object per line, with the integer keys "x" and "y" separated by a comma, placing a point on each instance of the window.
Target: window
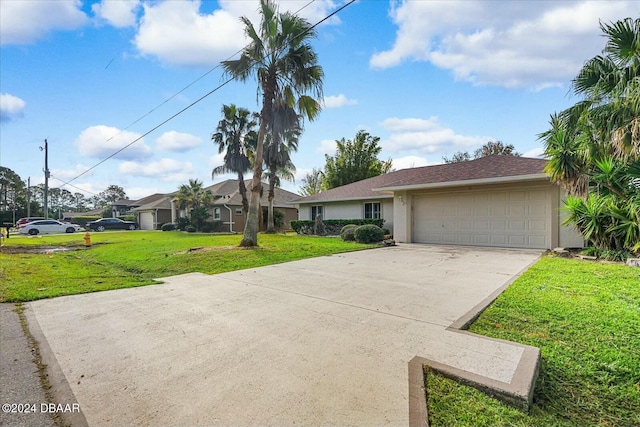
{"x": 372, "y": 210}
{"x": 315, "y": 211}
{"x": 216, "y": 213}
{"x": 238, "y": 211}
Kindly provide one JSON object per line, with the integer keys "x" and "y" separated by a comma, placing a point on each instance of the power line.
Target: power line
{"x": 196, "y": 101}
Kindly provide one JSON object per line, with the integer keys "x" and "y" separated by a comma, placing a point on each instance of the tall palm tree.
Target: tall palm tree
{"x": 286, "y": 68}
{"x": 610, "y": 84}
{"x": 236, "y": 137}
{"x": 196, "y": 199}
{"x": 284, "y": 131}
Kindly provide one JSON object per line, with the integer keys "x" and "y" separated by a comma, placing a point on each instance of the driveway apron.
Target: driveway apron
{"x": 322, "y": 341}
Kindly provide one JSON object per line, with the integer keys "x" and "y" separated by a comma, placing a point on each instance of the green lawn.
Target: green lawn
{"x": 127, "y": 259}
{"x": 585, "y": 318}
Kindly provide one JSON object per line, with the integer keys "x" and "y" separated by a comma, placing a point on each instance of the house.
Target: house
{"x": 501, "y": 201}
{"x": 227, "y": 207}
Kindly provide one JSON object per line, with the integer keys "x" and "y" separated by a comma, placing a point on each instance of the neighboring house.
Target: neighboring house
{"x": 227, "y": 207}
{"x": 501, "y": 201}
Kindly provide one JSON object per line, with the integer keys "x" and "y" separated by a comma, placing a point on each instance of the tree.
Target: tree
{"x": 594, "y": 146}
{"x": 236, "y": 137}
{"x": 355, "y": 160}
{"x": 112, "y": 194}
{"x": 194, "y": 198}
{"x": 286, "y": 68}
{"x": 489, "y": 149}
{"x": 312, "y": 182}
{"x": 284, "y": 130}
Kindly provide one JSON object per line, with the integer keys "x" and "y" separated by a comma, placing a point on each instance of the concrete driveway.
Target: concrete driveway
{"x": 323, "y": 341}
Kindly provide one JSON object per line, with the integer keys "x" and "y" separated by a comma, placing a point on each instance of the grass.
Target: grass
{"x": 127, "y": 259}
{"x": 585, "y": 318}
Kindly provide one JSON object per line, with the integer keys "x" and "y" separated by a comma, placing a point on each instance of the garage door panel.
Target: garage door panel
{"x": 504, "y": 218}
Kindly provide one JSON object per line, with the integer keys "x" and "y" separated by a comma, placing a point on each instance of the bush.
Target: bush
{"x": 369, "y": 233}
{"x": 348, "y": 232}
{"x": 332, "y": 226}
{"x": 182, "y": 223}
{"x": 191, "y": 229}
{"x": 278, "y": 218}
{"x": 169, "y": 226}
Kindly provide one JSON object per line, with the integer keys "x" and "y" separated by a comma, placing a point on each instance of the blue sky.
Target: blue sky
{"x": 428, "y": 77}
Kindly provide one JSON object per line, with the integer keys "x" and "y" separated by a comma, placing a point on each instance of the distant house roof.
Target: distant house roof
{"x": 494, "y": 168}
{"x": 228, "y": 193}
{"x": 225, "y": 192}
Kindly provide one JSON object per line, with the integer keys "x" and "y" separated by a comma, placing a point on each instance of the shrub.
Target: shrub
{"x": 369, "y": 233}
{"x": 332, "y": 226}
{"x": 278, "y": 218}
{"x": 348, "y": 232}
{"x": 169, "y": 226}
{"x": 207, "y": 227}
{"x": 182, "y": 223}
{"x": 191, "y": 229}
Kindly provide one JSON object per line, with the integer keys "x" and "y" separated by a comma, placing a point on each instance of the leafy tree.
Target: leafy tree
{"x": 281, "y": 59}
{"x": 312, "y": 182}
{"x": 488, "y": 149}
{"x": 236, "y": 137}
{"x": 355, "y": 160}
{"x": 194, "y": 198}
{"x": 13, "y": 194}
{"x": 112, "y": 194}
{"x": 594, "y": 146}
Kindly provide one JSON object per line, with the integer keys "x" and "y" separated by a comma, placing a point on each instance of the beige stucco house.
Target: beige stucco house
{"x": 499, "y": 201}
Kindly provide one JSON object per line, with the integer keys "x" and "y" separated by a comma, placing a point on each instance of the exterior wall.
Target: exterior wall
{"x": 353, "y": 209}
{"x": 568, "y": 236}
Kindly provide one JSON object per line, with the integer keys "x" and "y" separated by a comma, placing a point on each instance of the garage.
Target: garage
{"x": 147, "y": 221}
{"x": 500, "y": 217}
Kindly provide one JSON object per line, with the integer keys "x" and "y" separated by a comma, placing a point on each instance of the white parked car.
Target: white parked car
{"x": 45, "y": 226}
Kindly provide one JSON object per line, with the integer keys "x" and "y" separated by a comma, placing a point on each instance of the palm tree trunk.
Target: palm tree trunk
{"x": 252, "y": 226}
{"x": 270, "y": 222}
{"x": 243, "y": 192}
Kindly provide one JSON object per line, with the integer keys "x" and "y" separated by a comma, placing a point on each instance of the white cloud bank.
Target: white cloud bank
{"x": 120, "y": 14}
{"x": 177, "y": 141}
{"x": 337, "y": 101}
{"x": 23, "y": 22}
{"x": 11, "y": 107}
{"x": 168, "y": 170}
{"x": 103, "y": 141}
{"x": 510, "y": 44}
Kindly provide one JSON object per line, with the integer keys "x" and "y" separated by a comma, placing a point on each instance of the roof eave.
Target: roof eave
{"x": 344, "y": 199}
{"x": 481, "y": 181}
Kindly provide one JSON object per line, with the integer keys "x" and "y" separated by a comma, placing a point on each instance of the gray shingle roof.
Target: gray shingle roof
{"x": 492, "y": 167}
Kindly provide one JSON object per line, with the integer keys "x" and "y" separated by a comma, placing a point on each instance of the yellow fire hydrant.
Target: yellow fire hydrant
{"x": 87, "y": 239}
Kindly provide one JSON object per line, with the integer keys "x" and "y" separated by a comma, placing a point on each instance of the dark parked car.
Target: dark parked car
{"x": 111, "y": 224}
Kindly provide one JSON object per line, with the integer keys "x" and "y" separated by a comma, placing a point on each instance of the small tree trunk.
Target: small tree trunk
{"x": 243, "y": 192}
{"x": 271, "y": 228}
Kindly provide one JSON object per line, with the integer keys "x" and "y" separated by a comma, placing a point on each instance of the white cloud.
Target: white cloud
{"x": 120, "y": 14}
{"x": 424, "y": 136}
{"x": 337, "y": 101}
{"x": 102, "y": 141}
{"x": 168, "y": 170}
{"x": 327, "y": 146}
{"x": 67, "y": 174}
{"x": 510, "y": 44}
{"x": 534, "y": 152}
{"x": 23, "y": 22}
{"x": 177, "y": 141}
{"x": 177, "y": 33}
{"x": 11, "y": 107}
{"x": 407, "y": 162}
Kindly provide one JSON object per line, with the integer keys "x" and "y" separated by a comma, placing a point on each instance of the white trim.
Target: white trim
{"x": 498, "y": 180}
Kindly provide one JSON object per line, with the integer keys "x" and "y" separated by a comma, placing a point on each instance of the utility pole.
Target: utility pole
{"x": 28, "y": 196}
{"x": 46, "y": 178}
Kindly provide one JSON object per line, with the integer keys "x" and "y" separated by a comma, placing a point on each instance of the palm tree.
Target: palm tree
{"x": 195, "y": 198}
{"x": 235, "y": 135}
{"x": 282, "y": 139}
{"x": 286, "y": 68}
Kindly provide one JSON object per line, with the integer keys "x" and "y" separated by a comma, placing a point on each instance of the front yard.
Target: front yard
{"x": 585, "y": 318}
{"x": 127, "y": 259}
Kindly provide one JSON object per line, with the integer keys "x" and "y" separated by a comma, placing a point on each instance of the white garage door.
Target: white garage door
{"x": 146, "y": 221}
{"x": 502, "y": 218}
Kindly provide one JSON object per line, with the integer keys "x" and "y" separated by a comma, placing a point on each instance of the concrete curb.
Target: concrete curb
{"x": 518, "y": 393}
